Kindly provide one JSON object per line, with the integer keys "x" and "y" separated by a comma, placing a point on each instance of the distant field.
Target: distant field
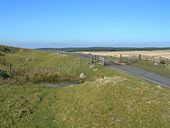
{"x": 156, "y": 53}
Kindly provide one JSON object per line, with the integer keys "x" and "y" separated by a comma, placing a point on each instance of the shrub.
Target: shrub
{"x": 4, "y": 74}
{"x": 163, "y": 61}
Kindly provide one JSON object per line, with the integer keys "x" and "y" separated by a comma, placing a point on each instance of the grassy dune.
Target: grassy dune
{"x": 103, "y": 99}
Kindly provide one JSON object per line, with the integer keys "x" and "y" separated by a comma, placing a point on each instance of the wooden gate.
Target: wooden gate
{"x": 97, "y": 60}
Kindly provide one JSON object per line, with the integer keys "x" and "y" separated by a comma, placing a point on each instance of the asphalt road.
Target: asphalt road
{"x": 134, "y": 71}
{"x": 143, "y": 74}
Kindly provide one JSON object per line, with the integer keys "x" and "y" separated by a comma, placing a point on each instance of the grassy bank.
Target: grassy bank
{"x": 161, "y": 69}
{"x": 39, "y": 66}
{"x": 101, "y": 104}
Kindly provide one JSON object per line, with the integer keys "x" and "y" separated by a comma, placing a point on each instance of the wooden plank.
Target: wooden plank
{"x": 101, "y": 61}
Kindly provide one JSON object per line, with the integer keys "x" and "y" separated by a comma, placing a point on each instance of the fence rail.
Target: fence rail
{"x": 155, "y": 59}
{"x": 97, "y": 60}
{"x": 101, "y": 61}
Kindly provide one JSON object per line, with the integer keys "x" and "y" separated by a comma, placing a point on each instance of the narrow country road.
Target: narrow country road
{"x": 134, "y": 71}
{"x": 140, "y": 73}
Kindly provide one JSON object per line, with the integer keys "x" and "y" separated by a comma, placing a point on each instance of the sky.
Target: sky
{"x": 85, "y": 23}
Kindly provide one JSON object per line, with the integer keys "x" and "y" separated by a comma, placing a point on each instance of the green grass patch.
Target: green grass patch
{"x": 126, "y": 103}
{"x": 161, "y": 69}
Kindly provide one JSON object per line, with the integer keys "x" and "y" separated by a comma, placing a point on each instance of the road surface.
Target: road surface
{"x": 140, "y": 73}
{"x": 134, "y": 71}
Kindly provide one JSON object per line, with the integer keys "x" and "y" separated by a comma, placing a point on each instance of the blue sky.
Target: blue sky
{"x": 85, "y": 23}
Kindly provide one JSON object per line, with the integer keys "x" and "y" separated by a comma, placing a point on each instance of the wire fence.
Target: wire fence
{"x": 154, "y": 59}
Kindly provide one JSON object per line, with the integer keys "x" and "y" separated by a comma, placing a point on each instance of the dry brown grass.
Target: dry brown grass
{"x": 156, "y": 53}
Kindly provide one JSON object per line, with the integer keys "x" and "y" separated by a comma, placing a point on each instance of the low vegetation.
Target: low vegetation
{"x": 102, "y": 99}
{"x": 38, "y": 66}
{"x": 101, "y": 104}
{"x": 162, "y": 69}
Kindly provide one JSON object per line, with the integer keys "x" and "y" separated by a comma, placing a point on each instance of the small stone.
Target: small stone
{"x": 95, "y": 70}
{"x": 91, "y": 66}
{"x": 82, "y": 75}
{"x": 155, "y": 63}
{"x": 27, "y": 59}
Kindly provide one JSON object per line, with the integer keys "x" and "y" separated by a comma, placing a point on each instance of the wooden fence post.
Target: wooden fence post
{"x": 153, "y": 59}
{"x": 120, "y": 57}
{"x": 140, "y": 56}
{"x": 10, "y": 69}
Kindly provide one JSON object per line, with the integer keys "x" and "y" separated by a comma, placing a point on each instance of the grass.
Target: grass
{"x": 6, "y": 50}
{"x": 39, "y": 66}
{"x": 161, "y": 69}
{"x": 93, "y": 106}
{"x": 124, "y": 104}
{"x": 103, "y": 99}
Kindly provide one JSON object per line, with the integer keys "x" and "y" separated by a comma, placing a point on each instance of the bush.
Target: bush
{"x": 4, "y": 74}
{"x": 163, "y": 61}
